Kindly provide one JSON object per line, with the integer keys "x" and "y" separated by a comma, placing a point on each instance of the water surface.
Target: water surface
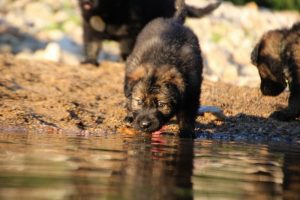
{"x": 119, "y": 166}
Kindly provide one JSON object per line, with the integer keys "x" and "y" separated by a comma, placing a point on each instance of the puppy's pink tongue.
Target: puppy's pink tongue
{"x": 159, "y": 131}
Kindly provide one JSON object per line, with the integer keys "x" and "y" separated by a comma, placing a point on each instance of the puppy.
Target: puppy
{"x": 122, "y": 20}
{"x": 164, "y": 75}
{"x": 277, "y": 58}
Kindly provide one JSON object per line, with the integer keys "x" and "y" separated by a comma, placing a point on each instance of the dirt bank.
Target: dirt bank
{"x": 46, "y": 96}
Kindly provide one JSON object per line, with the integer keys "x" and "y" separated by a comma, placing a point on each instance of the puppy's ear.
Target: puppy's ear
{"x": 132, "y": 78}
{"x": 255, "y": 53}
{"x": 270, "y": 44}
{"x": 128, "y": 87}
{"x": 137, "y": 74}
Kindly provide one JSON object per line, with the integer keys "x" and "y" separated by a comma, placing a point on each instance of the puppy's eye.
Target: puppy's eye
{"x": 161, "y": 104}
{"x": 139, "y": 102}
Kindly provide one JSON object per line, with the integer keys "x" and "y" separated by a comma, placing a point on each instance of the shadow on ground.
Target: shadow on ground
{"x": 249, "y": 128}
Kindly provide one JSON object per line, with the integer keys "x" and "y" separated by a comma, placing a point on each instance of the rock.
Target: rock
{"x": 24, "y": 55}
{"x": 70, "y": 26}
{"x": 216, "y": 59}
{"x": 110, "y": 52}
{"x": 67, "y": 44}
{"x": 16, "y": 19}
{"x": 241, "y": 56}
{"x": 216, "y": 112}
{"x": 52, "y": 52}
{"x": 248, "y": 75}
{"x": 29, "y": 43}
{"x": 39, "y": 14}
{"x": 252, "y": 5}
{"x": 9, "y": 41}
{"x": 51, "y": 35}
{"x": 5, "y": 48}
{"x": 61, "y": 16}
{"x": 230, "y": 73}
{"x": 71, "y": 51}
{"x": 4, "y": 5}
{"x": 71, "y": 59}
{"x": 249, "y": 81}
{"x": 213, "y": 78}
{"x": 249, "y": 70}
{"x": 227, "y": 35}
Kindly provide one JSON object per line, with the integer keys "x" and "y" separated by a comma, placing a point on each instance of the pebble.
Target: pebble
{"x": 39, "y": 14}
{"x": 212, "y": 112}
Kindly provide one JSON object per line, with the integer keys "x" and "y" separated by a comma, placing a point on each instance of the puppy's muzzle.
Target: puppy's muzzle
{"x": 147, "y": 121}
{"x": 271, "y": 88}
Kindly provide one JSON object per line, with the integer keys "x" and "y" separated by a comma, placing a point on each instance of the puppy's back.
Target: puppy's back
{"x": 164, "y": 28}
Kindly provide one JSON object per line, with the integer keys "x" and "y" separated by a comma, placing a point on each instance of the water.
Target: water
{"x": 119, "y": 166}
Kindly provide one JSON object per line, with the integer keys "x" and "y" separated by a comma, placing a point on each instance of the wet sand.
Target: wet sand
{"x": 46, "y": 96}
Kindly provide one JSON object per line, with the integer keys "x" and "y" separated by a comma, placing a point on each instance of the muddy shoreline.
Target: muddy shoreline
{"x": 41, "y": 96}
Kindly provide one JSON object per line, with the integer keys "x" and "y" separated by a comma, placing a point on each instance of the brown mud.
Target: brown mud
{"x": 45, "y": 96}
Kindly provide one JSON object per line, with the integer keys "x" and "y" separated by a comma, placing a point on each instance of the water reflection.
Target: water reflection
{"x": 116, "y": 166}
{"x": 291, "y": 170}
{"x": 158, "y": 167}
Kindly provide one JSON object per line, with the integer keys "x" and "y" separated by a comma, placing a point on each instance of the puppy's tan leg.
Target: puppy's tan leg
{"x": 92, "y": 46}
{"x": 91, "y": 53}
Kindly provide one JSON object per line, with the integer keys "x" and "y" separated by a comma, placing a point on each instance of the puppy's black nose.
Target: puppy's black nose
{"x": 145, "y": 124}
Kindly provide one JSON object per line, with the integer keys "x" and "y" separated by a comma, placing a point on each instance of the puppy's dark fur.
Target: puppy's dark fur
{"x": 277, "y": 57}
{"x": 122, "y": 20}
{"x": 163, "y": 76}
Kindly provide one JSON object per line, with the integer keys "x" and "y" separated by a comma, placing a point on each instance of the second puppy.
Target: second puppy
{"x": 277, "y": 58}
{"x": 164, "y": 75}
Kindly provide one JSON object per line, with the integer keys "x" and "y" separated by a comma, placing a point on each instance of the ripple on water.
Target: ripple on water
{"x": 120, "y": 166}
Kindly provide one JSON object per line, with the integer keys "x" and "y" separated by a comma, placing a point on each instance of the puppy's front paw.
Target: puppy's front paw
{"x": 282, "y": 115}
{"x": 92, "y": 62}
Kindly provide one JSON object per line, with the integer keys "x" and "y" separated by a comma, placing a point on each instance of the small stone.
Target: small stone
{"x": 252, "y": 5}
{"x": 45, "y": 15}
{"x": 61, "y": 16}
{"x": 212, "y": 112}
{"x": 230, "y": 73}
{"x": 5, "y": 48}
{"x": 51, "y": 35}
{"x": 52, "y": 52}
{"x": 216, "y": 59}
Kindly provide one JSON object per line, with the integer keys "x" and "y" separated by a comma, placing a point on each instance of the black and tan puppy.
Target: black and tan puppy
{"x": 277, "y": 57}
{"x": 122, "y": 20}
{"x": 163, "y": 75}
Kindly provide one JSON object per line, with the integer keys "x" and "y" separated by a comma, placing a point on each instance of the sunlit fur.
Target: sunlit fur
{"x": 277, "y": 58}
{"x": 163, "y": 77}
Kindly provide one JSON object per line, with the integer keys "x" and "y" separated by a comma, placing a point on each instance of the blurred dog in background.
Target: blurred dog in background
{"x": 122, "y": 20}
{"x": 277, "y": 58}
